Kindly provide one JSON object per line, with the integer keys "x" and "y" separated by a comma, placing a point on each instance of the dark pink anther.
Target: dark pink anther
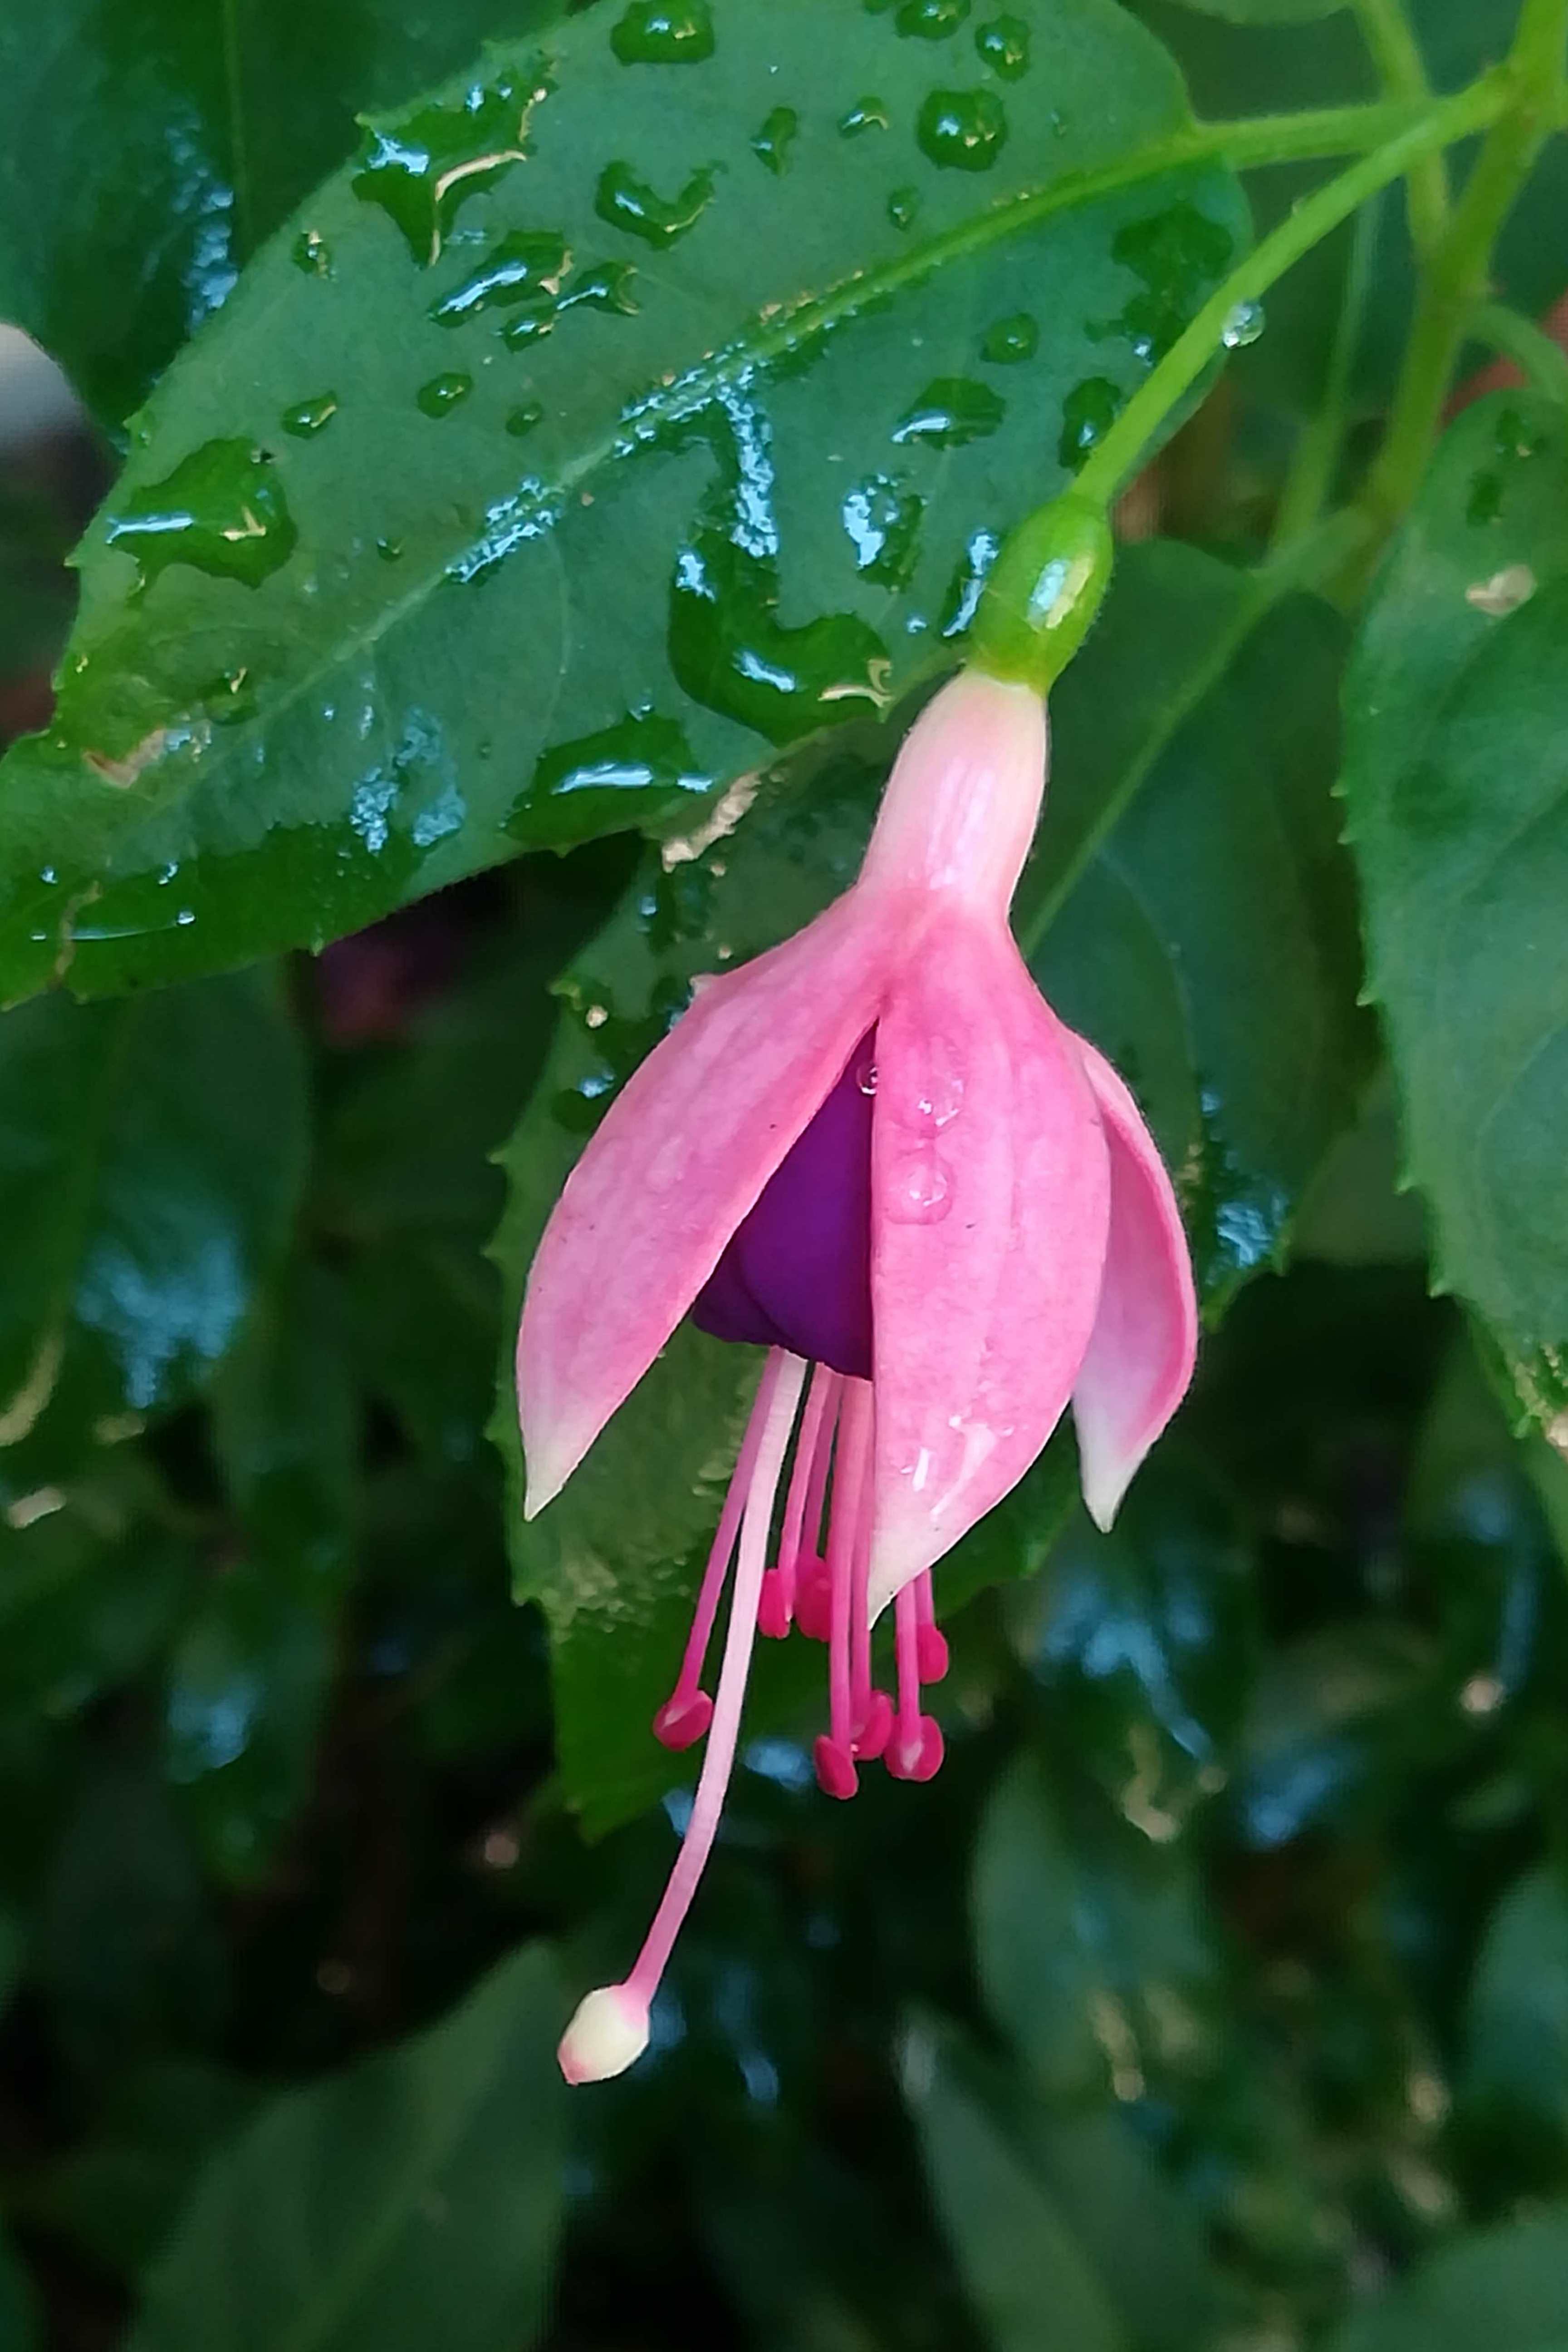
{"x": 682, "y": 1722}
{"x": 876, "y": 1727}
{"x": 915, "y": 1750}
{"x": 835, "y": 1767}
{"x": 813, "y": 1601}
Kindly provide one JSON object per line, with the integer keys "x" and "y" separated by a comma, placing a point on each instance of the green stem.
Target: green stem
{"x": 1545, "y": 363}
{"x": 1402, "y": 69}
{"x": 1455, "y": 274}
{"x": 1141, "y": 420}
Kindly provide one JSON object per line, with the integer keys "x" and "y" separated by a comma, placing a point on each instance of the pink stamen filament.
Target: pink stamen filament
{"x": 778, "y": 1399}
{"x": 801, "y": 1525}
{"x": 682, "y": 1720}
{"x": 835, "y": 1755}
{"x": 931, "y": 1645}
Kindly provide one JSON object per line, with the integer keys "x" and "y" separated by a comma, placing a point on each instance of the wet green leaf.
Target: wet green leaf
{"x": 1031, "y": 2281}
{"x": 1504, "y": 2288}
{"x": 758, "y": 478}
{"x": 1265, "y": 12}
{"x": 1517, "y": 2018}
{"x": 147, "y": 149}
{"x": 412, "y": 2201}
{"x": 1455, "y": 709}
{"x": 1092, "y": 1944}
{"x": 151, "y": 1155}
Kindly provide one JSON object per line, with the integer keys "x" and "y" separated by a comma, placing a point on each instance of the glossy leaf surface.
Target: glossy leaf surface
{"x": 1456, "y": 714}
{"x": 345, "y": 2213}
{"x": 581, "y": 439}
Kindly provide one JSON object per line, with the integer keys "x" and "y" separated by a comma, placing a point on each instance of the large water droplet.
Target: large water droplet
{"x": 776, "y": 137}
{"x": 444, "y": 392}
{"x": 930, "y": 20}
{"x": 628, "y": 203}
{"x": 664, "y": 33}
{"x": 1088, "y": 412}
{"x": 422, "y": 167}
{"x": 972, "y": 570}
{"x": 309, "y": 416}
{"x": 962, "y": 130}
{"x": 952, "y": 411}
{"x": 882, "y": 516}
{"x": 528, "y": 261}
{"x": 1005, "y": 45}
{"x": 633, "y": 771}
{"x": 1244, "y": 326}
{"x": 865, "y": 114}
{"x": 223, "y": 510}
{"x": 1011, "y": 339}
{"x": 918, "y": 1191}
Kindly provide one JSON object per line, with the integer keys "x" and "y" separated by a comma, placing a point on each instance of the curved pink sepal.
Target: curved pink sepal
{"x": 683, "y": 1152}
{"x": 1142, "y": 1352}
{"x": 990, "y": 1206}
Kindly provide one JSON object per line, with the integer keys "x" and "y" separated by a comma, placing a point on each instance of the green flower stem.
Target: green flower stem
{"x": 1402, "y": 69}
{"x": 1455, "y": 277}
{"x": 1123, "y": 447}
{"x": 1545, "y": 363}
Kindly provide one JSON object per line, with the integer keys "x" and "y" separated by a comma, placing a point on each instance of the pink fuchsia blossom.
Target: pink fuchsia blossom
{"x": 876, "y": 1151}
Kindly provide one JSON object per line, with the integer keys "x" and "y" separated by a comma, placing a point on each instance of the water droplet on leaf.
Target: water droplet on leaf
{"x": 664, "y": 33}
{"x": 776, "y": 137}
{"x": 962, "y": 130}
{"x": 223, "y": 510}
{"x": 528, "y": 261}
{"x": 633, "y": 772}
{"x": 952, "y": 411}
{"x": 524, "y": 421}
{"x": 422, "y": 167}
{"x": 1088, "y": 412}
{"x": 882, "y": 516}
{"x": 1011, "y": 339}
{"x": 308, "y": 416}
{"x": 930, "y": 20}
{"x": 902, "y": 207}
{"x": 1244, "y": 326}
{"x": 444, "y": 392}
{"x": 1005, "y": 45}
{"x": 865, "y": 114}
{"x": 311, "y": 253}
{"x": 628, "y": 203}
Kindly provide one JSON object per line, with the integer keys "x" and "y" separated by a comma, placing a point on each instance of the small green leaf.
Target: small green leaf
{"x": 1030, "y": 2281}
{"x": 1093, "y": 1954}
{"x": 1456, "y": 707}
{"x": 1517, "y": 2017}
{"x": 316, "y": 674}
{"x": 414, "y": 2200}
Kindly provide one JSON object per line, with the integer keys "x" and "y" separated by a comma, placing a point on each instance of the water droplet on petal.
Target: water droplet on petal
{"x": 918, "y": 1191}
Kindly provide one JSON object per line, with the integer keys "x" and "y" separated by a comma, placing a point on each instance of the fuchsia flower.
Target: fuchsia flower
{"x": 875, "y": 1151}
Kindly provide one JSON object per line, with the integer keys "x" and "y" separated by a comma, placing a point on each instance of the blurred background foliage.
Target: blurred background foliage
{"x": 1214, "y": 1999}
